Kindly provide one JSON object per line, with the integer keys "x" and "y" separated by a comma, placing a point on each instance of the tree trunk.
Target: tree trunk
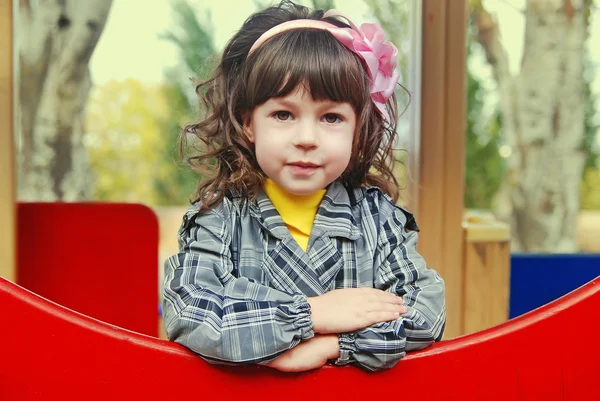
{"x": 56, "y": 39}
{"x": 543, "y": 121}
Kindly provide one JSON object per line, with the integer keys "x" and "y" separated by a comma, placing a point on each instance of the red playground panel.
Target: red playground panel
{"x": 48, "y": 352}
{"x": 100, "y": 259}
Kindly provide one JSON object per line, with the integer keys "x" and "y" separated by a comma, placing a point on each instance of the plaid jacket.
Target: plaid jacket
{"x": 236, "y": 291}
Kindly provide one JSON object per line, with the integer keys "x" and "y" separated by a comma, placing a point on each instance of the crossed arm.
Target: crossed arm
{"x": 338, "y": 311}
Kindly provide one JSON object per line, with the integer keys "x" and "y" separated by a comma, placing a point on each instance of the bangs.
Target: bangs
{"x": 309, "y": 57}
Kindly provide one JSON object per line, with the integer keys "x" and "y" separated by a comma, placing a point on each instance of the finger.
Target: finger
{"x": 397, "y": 299}
{"x": 378, "y": 317}
{"x": 401, "y": 309}
{"x": 384, "y": 307}
{"x": 374, "y": 294}
{"x": 389, "y": 297}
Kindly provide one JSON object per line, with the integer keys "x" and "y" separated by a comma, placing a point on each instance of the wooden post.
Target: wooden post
{"x": 442, "y": 156}
{"x": 7, "y": 192}
{"x": 487, "y": 272}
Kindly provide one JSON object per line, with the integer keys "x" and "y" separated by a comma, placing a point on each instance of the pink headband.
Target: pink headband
{"x": 368, "y": 42}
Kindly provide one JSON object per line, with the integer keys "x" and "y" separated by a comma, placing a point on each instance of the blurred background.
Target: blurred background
{"x": 99, "y": 110}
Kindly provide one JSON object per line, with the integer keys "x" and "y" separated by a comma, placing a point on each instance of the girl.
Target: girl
{"x": 295, "y": 253}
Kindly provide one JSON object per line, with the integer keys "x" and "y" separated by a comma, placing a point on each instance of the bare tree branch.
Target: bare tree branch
{"x": 487, "y": 35}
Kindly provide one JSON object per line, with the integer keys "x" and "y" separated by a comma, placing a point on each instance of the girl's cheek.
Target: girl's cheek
{"x": 341, "y": 151}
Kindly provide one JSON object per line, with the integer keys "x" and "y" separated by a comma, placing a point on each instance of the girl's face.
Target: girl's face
{"x": 302, "y": 144}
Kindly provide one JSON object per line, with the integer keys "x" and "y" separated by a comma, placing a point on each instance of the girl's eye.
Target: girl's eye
{"x": 282, "y": 115}
{"x": 332, "y": 118}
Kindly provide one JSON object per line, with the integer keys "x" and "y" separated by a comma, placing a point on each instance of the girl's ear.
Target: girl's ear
{"x": 247, "y": 120}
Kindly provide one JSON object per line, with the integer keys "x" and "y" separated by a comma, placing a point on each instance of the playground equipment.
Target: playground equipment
{"x": 48, "y": 352}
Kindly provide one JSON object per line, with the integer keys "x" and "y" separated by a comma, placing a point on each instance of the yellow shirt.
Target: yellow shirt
{"x": 297, "y": 211}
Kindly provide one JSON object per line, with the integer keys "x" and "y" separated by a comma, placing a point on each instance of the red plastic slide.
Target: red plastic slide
{"x": 48, "y": 352}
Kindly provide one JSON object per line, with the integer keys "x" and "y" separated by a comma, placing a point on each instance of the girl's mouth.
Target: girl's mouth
{"x": 303, "y": 169}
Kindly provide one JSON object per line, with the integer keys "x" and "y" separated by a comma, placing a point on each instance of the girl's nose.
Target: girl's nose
{"x": 306, "y": 136}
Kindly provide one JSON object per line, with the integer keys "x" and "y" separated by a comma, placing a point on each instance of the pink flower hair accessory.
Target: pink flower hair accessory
{"x": 368, "y": 42}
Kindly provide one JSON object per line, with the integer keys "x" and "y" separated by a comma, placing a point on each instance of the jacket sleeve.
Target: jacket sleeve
{"x": 223, "y": 318}
{"x": 399, "y": 269}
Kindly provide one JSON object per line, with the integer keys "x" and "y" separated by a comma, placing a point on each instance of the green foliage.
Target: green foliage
{"x": 123, "y": 140}
{"x": 591, "y": 127}
{"x": 196, "y": 46}
{"x": 178, "y": 183}
{"x": 323, "y": 4}
{"x": 485, "y": 168}
{"x": 193, "y": 38}
{"x": 590, "y": 183}
{"x": 590, "y": 189}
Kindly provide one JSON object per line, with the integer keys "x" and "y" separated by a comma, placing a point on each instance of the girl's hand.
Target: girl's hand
{"x": 308, "y": 355}
{"x": 351, "y": 309}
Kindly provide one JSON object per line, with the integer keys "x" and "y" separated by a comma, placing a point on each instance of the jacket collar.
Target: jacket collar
{"x": 334, "y": 216}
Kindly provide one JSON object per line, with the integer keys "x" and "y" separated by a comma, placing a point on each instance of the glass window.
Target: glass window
{"x": 532, "y": 126}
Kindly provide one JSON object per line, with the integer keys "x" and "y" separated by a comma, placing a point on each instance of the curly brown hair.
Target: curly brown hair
{"x": 309, "y": 57}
